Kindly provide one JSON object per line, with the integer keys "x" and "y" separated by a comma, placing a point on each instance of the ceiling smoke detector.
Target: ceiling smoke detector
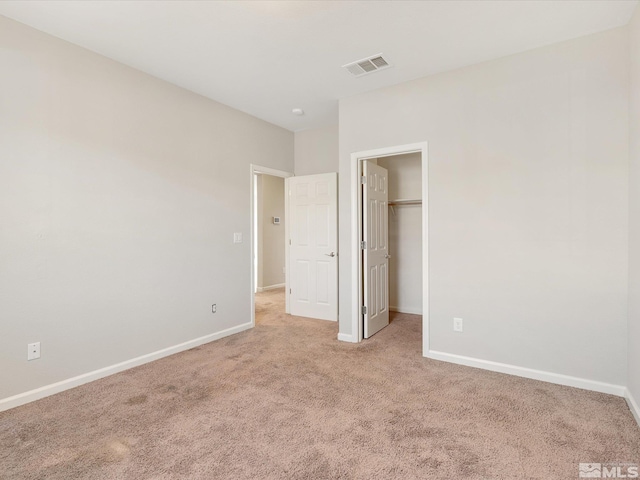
{"x": 297, "y": 111}
{"x": 367, "y": 65}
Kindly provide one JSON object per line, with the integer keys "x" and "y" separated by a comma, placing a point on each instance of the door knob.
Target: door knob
{"x": 386, "y": 255}
{"x": 332, "y": 254}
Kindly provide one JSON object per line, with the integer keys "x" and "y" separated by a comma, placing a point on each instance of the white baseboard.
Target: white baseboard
{"x": 412, "y": 311}
{"x": 343, "y": 337}
{"x": 550, "y": 377}
{"x": 47, "y": 390}
{"x": 270, "y": 287}
{"x": 633, "y": 405}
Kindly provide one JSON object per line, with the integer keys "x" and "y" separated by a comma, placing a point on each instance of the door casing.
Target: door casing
{"x": 356, "y": 235}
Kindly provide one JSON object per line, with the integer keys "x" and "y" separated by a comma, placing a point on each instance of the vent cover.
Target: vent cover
{"x": 367, "y": 65}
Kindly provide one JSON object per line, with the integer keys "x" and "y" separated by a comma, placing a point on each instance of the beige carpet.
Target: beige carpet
{"x": 287, "y": 400}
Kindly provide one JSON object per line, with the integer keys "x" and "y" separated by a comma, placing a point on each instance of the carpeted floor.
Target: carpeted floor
{"x": 286, "y": 400}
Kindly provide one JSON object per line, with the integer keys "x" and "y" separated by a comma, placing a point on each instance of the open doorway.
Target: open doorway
{"x": 392, "y": 240}
{"x": 405, "y": 232}
{"x": 390, "y": 256}
{"x": 268, "y": 243}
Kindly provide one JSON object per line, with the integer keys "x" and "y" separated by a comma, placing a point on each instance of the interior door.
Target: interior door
{"x": 375, "y": 249}
{"x": 313, "y": 251}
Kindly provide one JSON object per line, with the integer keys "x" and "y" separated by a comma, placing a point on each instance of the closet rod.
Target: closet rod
{"x": 395, "y": 203}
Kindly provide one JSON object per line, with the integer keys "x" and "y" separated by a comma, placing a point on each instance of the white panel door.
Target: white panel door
{"x": 375, "y": 233}
{"x": 313, "y": 251}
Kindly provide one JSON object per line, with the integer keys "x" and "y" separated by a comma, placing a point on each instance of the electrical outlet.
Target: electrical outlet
{"x": 33, "y": 351}
{"x": 457, "y": 324}
{"x": 237, "y": 237}
{"x": 214, "y": 308}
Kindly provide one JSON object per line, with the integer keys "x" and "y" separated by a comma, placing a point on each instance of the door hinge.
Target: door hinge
{"x": 363, "y": 179}
{"x": 363, "y": 309}
{"x": 289, "y": 241}
{"x": 363, "y": 245}
{"x": 289, "y": 291}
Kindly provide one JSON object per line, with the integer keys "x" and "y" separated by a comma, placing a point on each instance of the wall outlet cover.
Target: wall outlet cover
{"x": 457, "y": 324}
{"x": 33, "y": 351}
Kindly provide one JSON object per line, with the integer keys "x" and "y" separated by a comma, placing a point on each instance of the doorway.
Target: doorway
{"x": 405, "y": 232}
{"x": 360, "y": 211}
{"x": 269, "y": 231}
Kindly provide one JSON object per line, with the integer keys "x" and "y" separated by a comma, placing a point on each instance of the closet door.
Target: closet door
{"x": 375, "y": 250}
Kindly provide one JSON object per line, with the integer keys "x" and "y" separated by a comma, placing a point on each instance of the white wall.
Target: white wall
{"x": 634, "y": 212}
{"x": 119, "y": 196}
{"x": 270, "y": 236}
{"x": 405, "y": 233}
{"x": 316, "y": 150}
{"x": 528, "y": 204}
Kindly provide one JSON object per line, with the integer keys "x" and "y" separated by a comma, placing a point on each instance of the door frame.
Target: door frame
{"x": 256, "y": 170}
{"x": 356, "y": 234}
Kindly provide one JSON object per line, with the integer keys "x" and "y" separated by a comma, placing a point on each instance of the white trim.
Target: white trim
{"x": 343, "y": 337}
{"x": 356, "y": 234}
{"x": 270, "y": 287}
{"x": 356, "y": 267}
{"x": 254, "y": 223}
{"x": 47, "y": 390}
{"x": 412, "y": 311}
{"x": 255, "y": 170}
{"x": 633, "y": 405}
{"x": 287, "y": 236}
{"x": 550, "y": 377}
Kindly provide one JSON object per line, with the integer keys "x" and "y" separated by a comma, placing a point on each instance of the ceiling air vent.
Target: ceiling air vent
{"x": 367, "y": 65}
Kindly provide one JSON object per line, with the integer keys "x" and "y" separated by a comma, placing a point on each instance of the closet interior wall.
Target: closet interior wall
{"x": 405, "y": 232}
